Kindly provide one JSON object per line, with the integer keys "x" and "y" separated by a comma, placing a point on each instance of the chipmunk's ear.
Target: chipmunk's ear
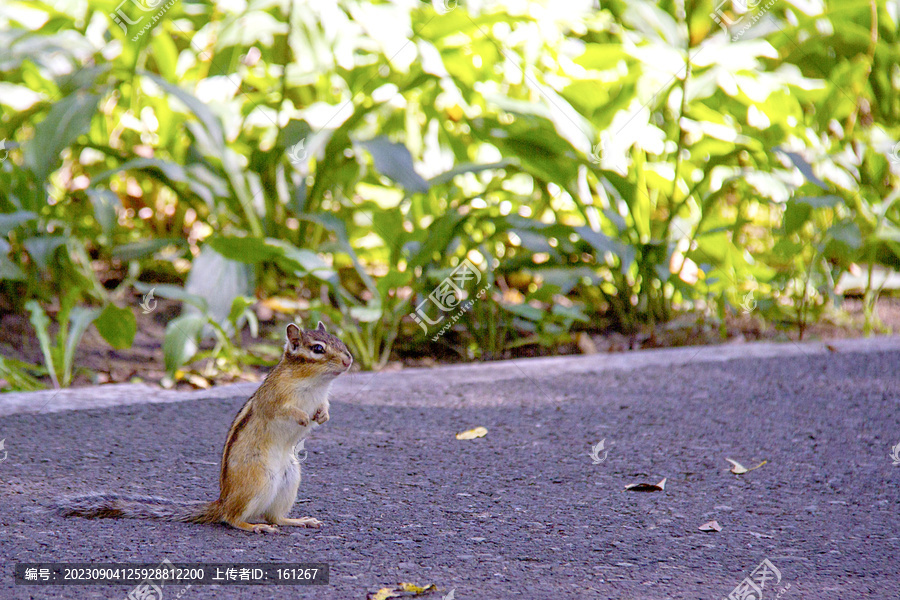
{"x": 293, "y": 337}
{"x": 321, "y": 326}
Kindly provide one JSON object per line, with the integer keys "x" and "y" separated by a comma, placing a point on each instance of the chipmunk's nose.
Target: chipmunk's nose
{"x": 347, "y": 360}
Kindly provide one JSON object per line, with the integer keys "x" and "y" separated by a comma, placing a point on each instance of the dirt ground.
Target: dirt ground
{"x": 98, "y": 363}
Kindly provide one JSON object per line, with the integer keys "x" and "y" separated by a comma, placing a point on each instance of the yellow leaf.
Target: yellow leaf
{"x": 402, "y": 590}
{"x": 471, "y": 434}
{"x": 286, "y": 306}
{"x": 411, "y": 587}
{"x": 197, "y": 381}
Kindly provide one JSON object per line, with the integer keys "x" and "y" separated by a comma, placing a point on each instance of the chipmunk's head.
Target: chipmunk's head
{"x": 316, "y": 351}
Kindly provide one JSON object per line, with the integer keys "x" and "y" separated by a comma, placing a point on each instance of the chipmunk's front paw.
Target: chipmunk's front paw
{"x": 321, "y": 415}
{"x": 263, "y": 528}
{"x": 302, "y": 418}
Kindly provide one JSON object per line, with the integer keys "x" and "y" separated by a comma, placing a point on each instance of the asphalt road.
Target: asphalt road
{"x": 523, "y": 512}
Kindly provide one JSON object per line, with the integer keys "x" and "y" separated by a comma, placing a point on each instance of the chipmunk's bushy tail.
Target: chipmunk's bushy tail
{"x": 115, "y": 506}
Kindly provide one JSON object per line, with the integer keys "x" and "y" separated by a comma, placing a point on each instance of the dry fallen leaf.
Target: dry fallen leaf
{"x": 711, "y": 526}
{"x": 197, "y": 381}
{"x": 647, "y": 487}
{"x": 471, "y": 434}
{"x": 286, "y": 306}
{"x": 739, "y": 469}
{"x": 585, "y": 344}
{"x": 402, "y": 590}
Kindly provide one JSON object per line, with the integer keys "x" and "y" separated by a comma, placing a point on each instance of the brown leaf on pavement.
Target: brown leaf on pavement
{"x": 711, "y": 526}
{"x": 646, "y": 487}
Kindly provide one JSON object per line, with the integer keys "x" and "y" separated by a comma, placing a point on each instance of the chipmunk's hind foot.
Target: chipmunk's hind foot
{"x": 254, "y": 527}
{"x": 301, "y": 522}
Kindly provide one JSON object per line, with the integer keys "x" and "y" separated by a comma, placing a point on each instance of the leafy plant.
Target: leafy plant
{"x": 59, "y": 354}
{"x": 618, "y": 166}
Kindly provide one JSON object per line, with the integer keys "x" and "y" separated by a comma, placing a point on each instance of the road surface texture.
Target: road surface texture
{"x": 524, "y": 512}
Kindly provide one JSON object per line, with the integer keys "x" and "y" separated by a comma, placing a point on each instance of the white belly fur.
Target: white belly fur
{"x": 283, "y": 469}
{"x": 282, "y": 481}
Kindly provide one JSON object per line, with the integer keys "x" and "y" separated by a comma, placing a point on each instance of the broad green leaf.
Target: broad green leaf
{"x": 144, "y": 248}
{"x": 796, "y": 214}
{"x": 105, "y": 204}
{"x": 41, "y": 248}
{"x": 252, "y": 250}
{"x": 219, "y": 281}
{"x": 211, "y": 123}
{"x": 117, "y": 326}
{"x": 246, "y": 249}
{"x": 448, "y": 176}
{"x": 172, "y": 292}
{"x": 526, "y": 311}
{"x": 68, "y": 119}
{"x": 395, "y": 162}
{"x": 9, "y": 221}
{"x": 180, "y": 343}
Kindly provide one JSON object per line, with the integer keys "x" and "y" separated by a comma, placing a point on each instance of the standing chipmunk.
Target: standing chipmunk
{"x": 260, "y": 474}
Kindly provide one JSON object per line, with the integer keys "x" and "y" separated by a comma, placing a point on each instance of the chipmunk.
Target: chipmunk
{"x": 260, "y": 473}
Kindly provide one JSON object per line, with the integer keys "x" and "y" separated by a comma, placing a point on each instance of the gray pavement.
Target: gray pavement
{"x": 523, "y": 512}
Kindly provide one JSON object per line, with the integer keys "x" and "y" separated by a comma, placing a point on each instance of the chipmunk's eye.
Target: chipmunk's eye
{"x": 318, "y": 349}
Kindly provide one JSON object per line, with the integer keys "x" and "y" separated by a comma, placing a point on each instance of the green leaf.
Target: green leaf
{"x": 395, "y": 162}
{"x": 248, "y": 250}
{"x": 15, "y": 372}
{"x": 447, "y": 176}
{"x": 796, "y": 214}
{"x": 105, "y": 204}
{"x": 10, "y": 271}
{"x": 440, "y": 233}
{"x": 292, "y": 133}
{"x": 366, "y": 314}
{"x": 219, "y": 281}
{"x": 79, "y": 320}
{"x": 41, "y": 324}
{"x": 41, "y": 248}
{"x": 602, "y": 57}
{"x": 526, "y": 311}
{"x": 211, "y": 123}
{"x": 336, "y": 226}
{"x": 252, "y": 250}
{"x": 68, "y": 119}
{"x": 240, "y": 310}
{"x": 144, "y": 248}
{"x": 829, "y": 201}
{"x": 570, "y": 312}
{"x": 9, "y": 221}
{"x": 847, "y": 233}
{"x": 804, "y": 168}
{"x": 238, "y": 306}
{"x": 117, "y": 326}
{"x": 180, "y": 343}
{"x": 172, "y": 292}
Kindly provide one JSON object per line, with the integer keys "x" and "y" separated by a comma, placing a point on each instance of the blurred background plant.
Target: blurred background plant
{"x": 608, "y": 168}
